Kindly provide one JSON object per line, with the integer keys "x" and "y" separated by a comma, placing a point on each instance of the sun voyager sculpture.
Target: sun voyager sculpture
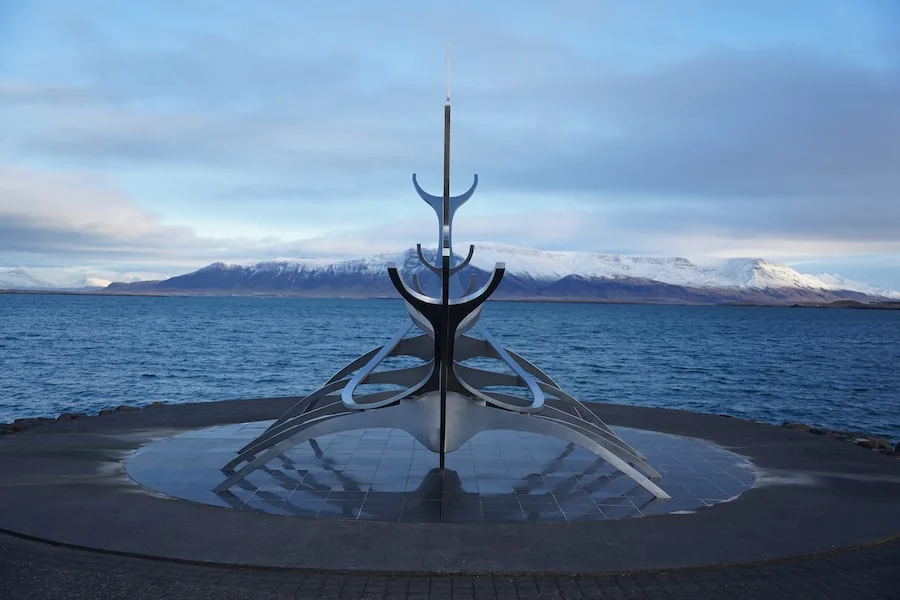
{"x": 443, "y": 402}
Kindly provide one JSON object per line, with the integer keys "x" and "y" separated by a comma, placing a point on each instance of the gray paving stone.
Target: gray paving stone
{"x": 61, "y": 468}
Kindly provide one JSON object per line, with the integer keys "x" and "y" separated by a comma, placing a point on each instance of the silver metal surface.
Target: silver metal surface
{"x": 442, "y": 401}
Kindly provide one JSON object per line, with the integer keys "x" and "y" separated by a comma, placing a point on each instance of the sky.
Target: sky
{"x": 155, "y": 137}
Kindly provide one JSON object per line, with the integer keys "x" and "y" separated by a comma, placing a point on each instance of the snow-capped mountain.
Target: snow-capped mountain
{"x": 839, "y": 282}
{"x": 48, "y": 278}
{"x": 53, "y": 278}
{"x": 753, "y": 273}
{"x": 530, "y": 273}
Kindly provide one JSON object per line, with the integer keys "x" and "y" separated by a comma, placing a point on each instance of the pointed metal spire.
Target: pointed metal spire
{"x": 448, "y": 73}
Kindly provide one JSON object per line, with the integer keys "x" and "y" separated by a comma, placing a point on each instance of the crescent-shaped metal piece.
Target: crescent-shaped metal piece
{"x": 470, "y": 321}
{"x": 462, "y": 265}
{"x": 411, "y": 296}
{"x": 347, "y": 393}
{"x": 534, "y": 388}
{"x": 422, "y": 259}
{"x": 486, "y": 290}
{"x": 445, "y": 219}
{"x": 436, "y": 202}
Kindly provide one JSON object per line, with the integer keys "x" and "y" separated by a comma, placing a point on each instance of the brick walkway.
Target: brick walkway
{"x": 35, "y": 570}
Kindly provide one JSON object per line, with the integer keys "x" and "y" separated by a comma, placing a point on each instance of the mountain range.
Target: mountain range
{"x": 55, "y": 278}
{"x": 531, "y": 275}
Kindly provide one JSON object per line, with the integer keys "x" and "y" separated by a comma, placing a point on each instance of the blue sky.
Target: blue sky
{"x": 162, "y": 135}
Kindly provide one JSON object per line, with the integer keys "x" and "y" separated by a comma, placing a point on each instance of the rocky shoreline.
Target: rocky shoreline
{"x": 875, "y": 443}
{"x": 25, "y": 424}
{"x": 865, "y": 440}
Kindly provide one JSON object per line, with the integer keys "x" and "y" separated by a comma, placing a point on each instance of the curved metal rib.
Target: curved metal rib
{"x": 479, "y": 378}
{"x": 592, "y": 418}
{"x": 362, "y": 374}
{"x": 302, "y": 408}
{"x": 469, "y": 322}
{"x": 346, "y": 422}
{"x": 494, "y": 400}
{"x": 358, "y": 362}
{"x": 417, "y": 285}
{"x": 478, "y": 297}
{"x": 380, "y": 401}
{"x": 519, "y": 422}
{"x": 353, "y": 365}
{"x": 411, "y": 296}
{"x": 534, "y": 389}
{"x": 530, "y": 368}
{"x": 460, "y": 266}
{"x": 420, "y": 346}
{"x": 422, "y": 259}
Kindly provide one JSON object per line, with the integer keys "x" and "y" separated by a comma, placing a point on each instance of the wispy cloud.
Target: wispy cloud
{"x": 642, "y": 129}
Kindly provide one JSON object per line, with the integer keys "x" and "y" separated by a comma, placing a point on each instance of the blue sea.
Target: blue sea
{"x": 831, "y": 368}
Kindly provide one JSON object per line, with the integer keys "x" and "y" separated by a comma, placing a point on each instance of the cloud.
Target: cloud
{"x": 52, "y": 218}
{"x": 19, "y": 93}
{"x": 43, "y": 212}
{"x": 784, "y": 122}
{"x": 774, "y": 124}
{"x": 684, "y": 143}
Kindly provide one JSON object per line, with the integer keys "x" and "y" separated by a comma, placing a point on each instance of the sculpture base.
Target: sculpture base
{"x": 65, "y": 484}
{"x": 386, "y": 475}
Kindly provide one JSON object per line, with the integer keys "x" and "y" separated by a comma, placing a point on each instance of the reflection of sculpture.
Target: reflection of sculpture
{"x": 442, "y": 401}
{"x": 439, "y": 496}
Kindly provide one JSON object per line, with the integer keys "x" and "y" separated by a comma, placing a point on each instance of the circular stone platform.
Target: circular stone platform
{"x": 385, "y": 475}
{"x": 66, "y": 483}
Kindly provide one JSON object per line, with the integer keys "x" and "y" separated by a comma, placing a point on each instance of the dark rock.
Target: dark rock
{"x": 726, "y": 416}
{"x": 123, "y": 408}
{"x": 24, "y": 424}
{"x": 70, "y": 416}
{"x": 876, "y": 443}
{"x": 106, "y": 411}
{"x": 872, "y": 442}
{"x": 156, "y": 404}
{"x": 796, "y": 426}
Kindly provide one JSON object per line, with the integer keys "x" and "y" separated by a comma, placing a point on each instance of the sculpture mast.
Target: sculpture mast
{"x": 445, "y": 236}
{"x": 446, "y": 251}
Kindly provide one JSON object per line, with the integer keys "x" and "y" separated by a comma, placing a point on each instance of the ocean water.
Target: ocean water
{"x": 830, "y": 368}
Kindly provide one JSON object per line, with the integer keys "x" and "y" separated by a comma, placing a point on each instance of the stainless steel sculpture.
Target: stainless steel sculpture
{"x": 441, "y": 401}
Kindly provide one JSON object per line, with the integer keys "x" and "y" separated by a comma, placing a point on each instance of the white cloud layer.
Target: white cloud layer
{"x": 161, "y": 139}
